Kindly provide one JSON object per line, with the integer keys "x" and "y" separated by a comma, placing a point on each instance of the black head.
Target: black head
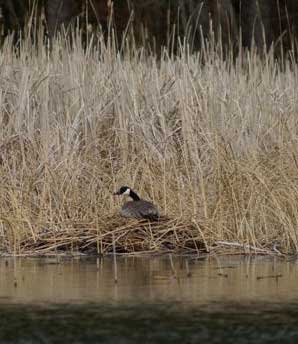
{"x": 124, "y": 190}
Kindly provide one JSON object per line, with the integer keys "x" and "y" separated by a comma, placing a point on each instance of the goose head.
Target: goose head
{"x": 124, "y": 190}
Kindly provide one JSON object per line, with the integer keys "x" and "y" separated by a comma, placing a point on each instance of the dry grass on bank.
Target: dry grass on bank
{"x": 214, "y": 144}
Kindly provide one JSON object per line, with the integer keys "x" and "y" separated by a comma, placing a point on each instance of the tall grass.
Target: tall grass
{"x": 212, "y": 141}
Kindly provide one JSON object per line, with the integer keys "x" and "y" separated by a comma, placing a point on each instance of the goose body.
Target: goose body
{"x": 137, "y": 208}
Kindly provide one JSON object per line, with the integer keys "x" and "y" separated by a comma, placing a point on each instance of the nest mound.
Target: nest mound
{"x": 114, "y": 233}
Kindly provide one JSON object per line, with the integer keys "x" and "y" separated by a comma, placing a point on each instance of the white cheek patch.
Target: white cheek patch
{"x": 127, "y": 192}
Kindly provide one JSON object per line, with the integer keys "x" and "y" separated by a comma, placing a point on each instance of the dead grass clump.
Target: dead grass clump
{"x": 128, "y": 236}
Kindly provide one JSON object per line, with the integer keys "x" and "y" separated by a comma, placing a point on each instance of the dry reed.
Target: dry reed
{"x": 213, "y": 142}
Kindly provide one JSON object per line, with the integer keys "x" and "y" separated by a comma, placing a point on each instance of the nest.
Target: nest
{"x": 117, "y": 234}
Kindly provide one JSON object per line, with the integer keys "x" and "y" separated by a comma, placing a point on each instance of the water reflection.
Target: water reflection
{"x": 148, "y": 280}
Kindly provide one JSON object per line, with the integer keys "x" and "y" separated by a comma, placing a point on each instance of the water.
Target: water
{"x": 226, "y": 300}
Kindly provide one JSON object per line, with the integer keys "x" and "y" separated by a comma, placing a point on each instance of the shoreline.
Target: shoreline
{"x": 136, "y": 238}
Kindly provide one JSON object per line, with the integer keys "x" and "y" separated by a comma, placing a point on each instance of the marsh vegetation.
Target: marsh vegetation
{"x": 211, "y": 141}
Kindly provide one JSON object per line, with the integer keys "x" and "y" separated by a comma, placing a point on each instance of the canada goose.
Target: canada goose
{"x": 138, "y": 208}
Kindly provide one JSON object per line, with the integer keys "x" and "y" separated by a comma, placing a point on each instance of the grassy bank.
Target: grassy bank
{"x": 213, "y": 144}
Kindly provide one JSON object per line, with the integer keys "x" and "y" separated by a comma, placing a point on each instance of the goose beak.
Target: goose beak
{"x": 117, "y": 193}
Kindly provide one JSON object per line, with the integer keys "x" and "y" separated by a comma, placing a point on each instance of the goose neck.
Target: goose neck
{"x": 134, "y": 196}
